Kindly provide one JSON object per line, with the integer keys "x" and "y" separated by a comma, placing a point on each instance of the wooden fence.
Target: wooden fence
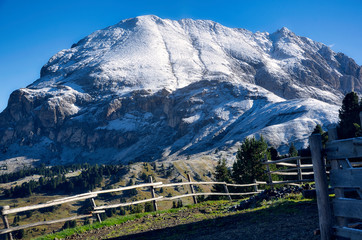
{"x": 346, "y": 178}
{"x": 292, "y": 166}
{"x": 97, "y": 210}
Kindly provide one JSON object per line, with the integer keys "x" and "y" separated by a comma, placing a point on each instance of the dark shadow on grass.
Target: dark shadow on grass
{"x": 285, "y": 221}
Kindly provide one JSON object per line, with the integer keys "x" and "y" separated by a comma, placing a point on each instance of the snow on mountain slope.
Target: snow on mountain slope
{"x": 149, "y": 88}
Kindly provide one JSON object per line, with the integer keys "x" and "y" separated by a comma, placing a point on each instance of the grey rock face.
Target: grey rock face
{"x": 148, "y": 89}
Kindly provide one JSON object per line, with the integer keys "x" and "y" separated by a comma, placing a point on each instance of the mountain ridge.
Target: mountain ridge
{"x": 150, "y": 89}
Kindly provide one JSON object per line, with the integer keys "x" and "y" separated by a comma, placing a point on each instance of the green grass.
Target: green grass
{"x": 208, "y": 208}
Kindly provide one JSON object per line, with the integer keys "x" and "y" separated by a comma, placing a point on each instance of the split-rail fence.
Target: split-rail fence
{"x": 291, "y": 169}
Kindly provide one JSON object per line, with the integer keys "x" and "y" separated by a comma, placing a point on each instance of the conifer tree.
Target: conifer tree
{"x": 222, "y": 174}
{"x": 247, "y": 166}
{"x": 349, "y": 123}
{"x": 293, "y": 152}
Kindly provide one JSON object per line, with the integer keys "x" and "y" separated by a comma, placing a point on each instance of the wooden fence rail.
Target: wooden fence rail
{"x": 152, "y": 186}
{"x": 6, "y": 210}
{"x": 293, "y": 169}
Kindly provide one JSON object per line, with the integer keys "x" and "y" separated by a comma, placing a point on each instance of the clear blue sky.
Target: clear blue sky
{"x": 32, "y": 31}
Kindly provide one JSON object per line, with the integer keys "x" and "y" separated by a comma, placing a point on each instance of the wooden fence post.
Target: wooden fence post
{"x": 300, "y": 175}
{"x": 6, "y": 222}
{"x": 270, "y": 182}
{"x": 192, "y": 188}
{"x": 255, "y": 186}
{"x": 227, "y": 191}
{"x": 94, "y": 206}
{"x": 324, "y": 209}
{"x": 339, "y": 192}
{"x": 152, "y": 189}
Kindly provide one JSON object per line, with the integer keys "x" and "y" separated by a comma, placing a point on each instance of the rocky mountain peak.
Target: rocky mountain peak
{"x": 148, "y": 88}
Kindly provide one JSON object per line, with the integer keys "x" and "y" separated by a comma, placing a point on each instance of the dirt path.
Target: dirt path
{"x": 288, "y": 221}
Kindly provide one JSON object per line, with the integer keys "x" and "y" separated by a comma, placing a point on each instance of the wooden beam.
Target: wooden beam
{"x": 345, "y": 148}
{"x": 349, "y": 233}
{"x": 188, "y": 183}
{"x": 128, "y": 188}
{"x": 242, "y": 185}
{"x": 209, "y": 194}
{"x": 44, "y": 205}
{"x": 346, "y": 178}
{"x": 348, "y": 208}
{"x": 292, "y": 181}
{"x": 128, "y": 204}
{"x": 285, "y": 160}
{"x": 324, "y": 210}
{"x": 12, "y": 229}
{"x": 287, "y": 164}
{"x": 284, "y": 173}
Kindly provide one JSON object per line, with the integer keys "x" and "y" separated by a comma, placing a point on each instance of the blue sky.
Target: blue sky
{"x": 32, "y": 31}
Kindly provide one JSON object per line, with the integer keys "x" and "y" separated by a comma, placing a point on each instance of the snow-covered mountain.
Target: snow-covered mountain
{"x": 152, "y": 89}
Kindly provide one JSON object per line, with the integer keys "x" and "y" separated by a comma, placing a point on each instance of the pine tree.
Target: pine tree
{"x": 349, "y": 124}
{"x": 293, "y": 152}
{"x": 222, "y": 174}
{"x": 247, "y": 166}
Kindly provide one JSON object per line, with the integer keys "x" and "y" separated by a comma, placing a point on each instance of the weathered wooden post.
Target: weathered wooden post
{"x": 94, "y": 206}
{"x": 5, "y": 220}
{"x": 300, "y": 175}
{"x": 320, "y": 177}
{"x": 339, "y": 192}
{"x": 152, "y": 189}
{"x": 255, "y": 186}
{"x": 227, "y": 191}
{"x": 270, "y": 180}
{"x": 192, "y": 188}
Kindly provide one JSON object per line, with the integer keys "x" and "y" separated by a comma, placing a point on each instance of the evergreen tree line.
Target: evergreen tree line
{"x": 89, "y": 179}
{"x": 42, "y": 170}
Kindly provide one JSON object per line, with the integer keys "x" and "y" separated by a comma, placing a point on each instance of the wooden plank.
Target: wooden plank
{"x": 324, "y": 210}
{"x": 44, "y": 205}
{"x": 293, "y": 169}
{"x": 285, "y": 160}
{"x": 292, "y": 181}
{"x": 259, "y": 182}
{"x": 287, "y": 164}
{"x": 345, "y": 148}
{"x": 242, "y": 185}
{"x": 349, "y": 233}
{"x": 307, "y": 173}
{"x": 188, "y": 183}
{"x": 209, "y": 194}
{"x": 72, "y": 197}
{"x": 127, "y": 204}
{"x": 348, "y": 208}
{"x": 128, "y": 188}
{"x": 12, "y": 229}
{"x": 346, "y": 178}
{"x": 284, "y": 173}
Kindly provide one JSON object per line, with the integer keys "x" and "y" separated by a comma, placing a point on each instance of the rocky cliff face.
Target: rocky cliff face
{"x": 149, "y": 88}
